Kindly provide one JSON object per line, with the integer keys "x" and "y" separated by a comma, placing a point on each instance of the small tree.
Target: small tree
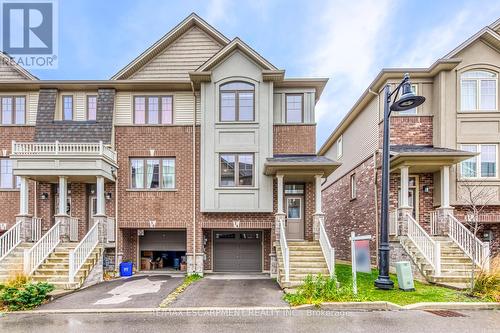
{"x": 475, "y": 196}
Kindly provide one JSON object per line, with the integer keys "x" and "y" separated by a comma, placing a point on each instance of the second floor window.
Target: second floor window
{"x": 153, "y": 110}
{"x": 340, "y": 147}
{"x": 237, "y": 101}
{"x": 7, "y": 178}
{"x": 236, "y": 170}
{"x": 478, "y": 91}
{"x": 482, "y": 166}
{"x": 294, "y": 108}
{"x": 13, "y": 110}
{"x": 67, "y": 107}
{"x": 91, "y": 107}
{"x": 152, "y": 173}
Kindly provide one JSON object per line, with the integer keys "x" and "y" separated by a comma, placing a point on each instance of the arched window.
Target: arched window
{"x": 237, "y": 101}
{"x": 478, "y": 90}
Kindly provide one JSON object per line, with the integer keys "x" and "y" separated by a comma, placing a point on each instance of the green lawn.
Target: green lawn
{"x": 317, "y": 292}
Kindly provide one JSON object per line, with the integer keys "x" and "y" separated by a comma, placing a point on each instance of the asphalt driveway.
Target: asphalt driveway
{"x": 134, "y": 292}
{"x": 221, "y": 292}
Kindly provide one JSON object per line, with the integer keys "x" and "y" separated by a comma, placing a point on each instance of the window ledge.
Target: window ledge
{"x": 236, "y": 188}
{"x": 479, "y": 179}
{"x": 17, "y": 125}
{"x": 151, "y": 190}
{"x": 236, "y": 123}
{"x": 151, "y": 125}
{"x": 9, "y": 190}
{"x": 295, "y": 124}
{"x": 477, "y": 111}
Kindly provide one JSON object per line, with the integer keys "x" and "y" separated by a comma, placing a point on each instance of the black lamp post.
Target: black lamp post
{"x": 407, "y": 101}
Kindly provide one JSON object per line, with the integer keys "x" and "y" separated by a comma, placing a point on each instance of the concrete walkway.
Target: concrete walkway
{"x": 135, "y": 292}
{"x": 231, "y": 292}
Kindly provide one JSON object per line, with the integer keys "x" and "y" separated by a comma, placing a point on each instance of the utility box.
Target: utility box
{"x": 405, "y": 276}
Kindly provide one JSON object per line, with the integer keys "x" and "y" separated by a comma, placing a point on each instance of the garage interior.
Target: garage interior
{"x": 162, "y": 250}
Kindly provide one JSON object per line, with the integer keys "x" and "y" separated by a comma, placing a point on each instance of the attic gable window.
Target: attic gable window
{"x": 237, "y": 102}
{"x": 153, "y": 110}
{"x": 478, "y": 90}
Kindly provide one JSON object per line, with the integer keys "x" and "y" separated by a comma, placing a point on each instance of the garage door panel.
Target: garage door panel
{"x": 163, "y": 240}
{"x": 238, "y": 251}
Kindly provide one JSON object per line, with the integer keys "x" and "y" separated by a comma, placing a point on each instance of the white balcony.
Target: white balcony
{"x": 44, "y": 161}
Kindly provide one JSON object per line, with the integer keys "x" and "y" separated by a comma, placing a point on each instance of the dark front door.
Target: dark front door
{"x": 237, "y": 251}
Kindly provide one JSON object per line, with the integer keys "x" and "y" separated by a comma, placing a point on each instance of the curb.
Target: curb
{"x": 454, "y": 306}
{"x": 343, "y": 306}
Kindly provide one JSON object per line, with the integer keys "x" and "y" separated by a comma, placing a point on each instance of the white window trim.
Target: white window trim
{"x": 340, "y": 146}
{"x": 478, "y": 161}
{"x": 478, "y": 90}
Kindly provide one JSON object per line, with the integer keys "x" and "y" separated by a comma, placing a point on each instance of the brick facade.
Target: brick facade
{"x": 410, "y": 130}
{"x": 9, "y": 198}
{"x": 343, "y": 215}
{"x": 294, "y": 139}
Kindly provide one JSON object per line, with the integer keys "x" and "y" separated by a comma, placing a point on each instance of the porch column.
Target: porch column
{"x": 23, "y": 197}
{"x": 445, "y": 186}
{"x": 24, "y": 217}
{"x": 100, "y": 217}
{"x": 318, "y": 216}
{"x": 62, "y": 217}
{"x": 404, "y": 203}
{"x": 63, "y": 195}
{"x": 101, "y": 210}
{"x": 279, "y": 219}
{"x": 404, "y": 187}
{"x": 280, "y": 194}
{"x": 441, "y": 217}
{"x": 318, "y": 179}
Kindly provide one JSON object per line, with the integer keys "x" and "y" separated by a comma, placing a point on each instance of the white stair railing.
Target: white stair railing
{"x": 82, "y": 251}
{"x": 472, "y": 246}
{"x": 429, "y": 248}
{"x": 110, "y": 230}
{"x": 285, "y": 251}
{"x": 10, "y": 239}
{"x": 326, "y": 247}
{"x": 434, "y": 219}
{"x": 34, "y": 256}
{"x": 73, "y": 229}
{"x": 393, "y": 223}
{"x": 36, "y": 228}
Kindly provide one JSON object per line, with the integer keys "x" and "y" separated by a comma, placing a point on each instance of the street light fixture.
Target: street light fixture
{"x": 407, "y": 101}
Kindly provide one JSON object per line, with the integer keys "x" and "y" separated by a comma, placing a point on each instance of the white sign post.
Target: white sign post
{"x": 359, "y": 258}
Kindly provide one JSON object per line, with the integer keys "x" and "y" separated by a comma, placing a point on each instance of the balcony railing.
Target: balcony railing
{"x": 62, "y": 149}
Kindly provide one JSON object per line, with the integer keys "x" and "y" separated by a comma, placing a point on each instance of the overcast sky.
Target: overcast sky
{"x": 346, "y": 41}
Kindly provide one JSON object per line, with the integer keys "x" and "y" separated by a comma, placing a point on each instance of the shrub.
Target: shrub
{"x": 487, "y": 284}
{"x": 320, "y": 289}
{"x": 19, "y": 293}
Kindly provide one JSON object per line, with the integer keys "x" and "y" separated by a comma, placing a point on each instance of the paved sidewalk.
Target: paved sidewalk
{"x": 134, "y": 292}
{"x": 231, "y": 292}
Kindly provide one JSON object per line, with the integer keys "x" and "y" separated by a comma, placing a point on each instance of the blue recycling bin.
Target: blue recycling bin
{"x": 126, "y": 269}
{"x": 177, "y": 263}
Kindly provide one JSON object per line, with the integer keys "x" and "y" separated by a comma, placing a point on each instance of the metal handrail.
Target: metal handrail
{"x": 285, "y": 251}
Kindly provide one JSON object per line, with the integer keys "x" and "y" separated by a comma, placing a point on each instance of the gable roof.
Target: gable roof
{"x": 155, "y": 49}
{"x": 6, "y": 61}
{"x": 236, "y": 44}
{"x": 486, "y": 34}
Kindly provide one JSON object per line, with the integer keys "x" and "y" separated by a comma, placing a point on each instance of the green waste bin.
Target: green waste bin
{"x": 405, "y": 276}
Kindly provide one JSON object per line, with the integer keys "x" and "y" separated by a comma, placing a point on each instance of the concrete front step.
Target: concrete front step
{"x": 306, "y": 264}
{"x": 449, "y": 279}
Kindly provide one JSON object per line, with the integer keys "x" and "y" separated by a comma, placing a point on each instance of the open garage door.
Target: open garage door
{"x": 238, "y": 251}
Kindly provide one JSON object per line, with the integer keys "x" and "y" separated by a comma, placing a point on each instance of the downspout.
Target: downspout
{"x": 116, "y": 221}
{"x": 375, "y": 184}
{"x": 194, "y": 178}
{"x": 35, "y": 194}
